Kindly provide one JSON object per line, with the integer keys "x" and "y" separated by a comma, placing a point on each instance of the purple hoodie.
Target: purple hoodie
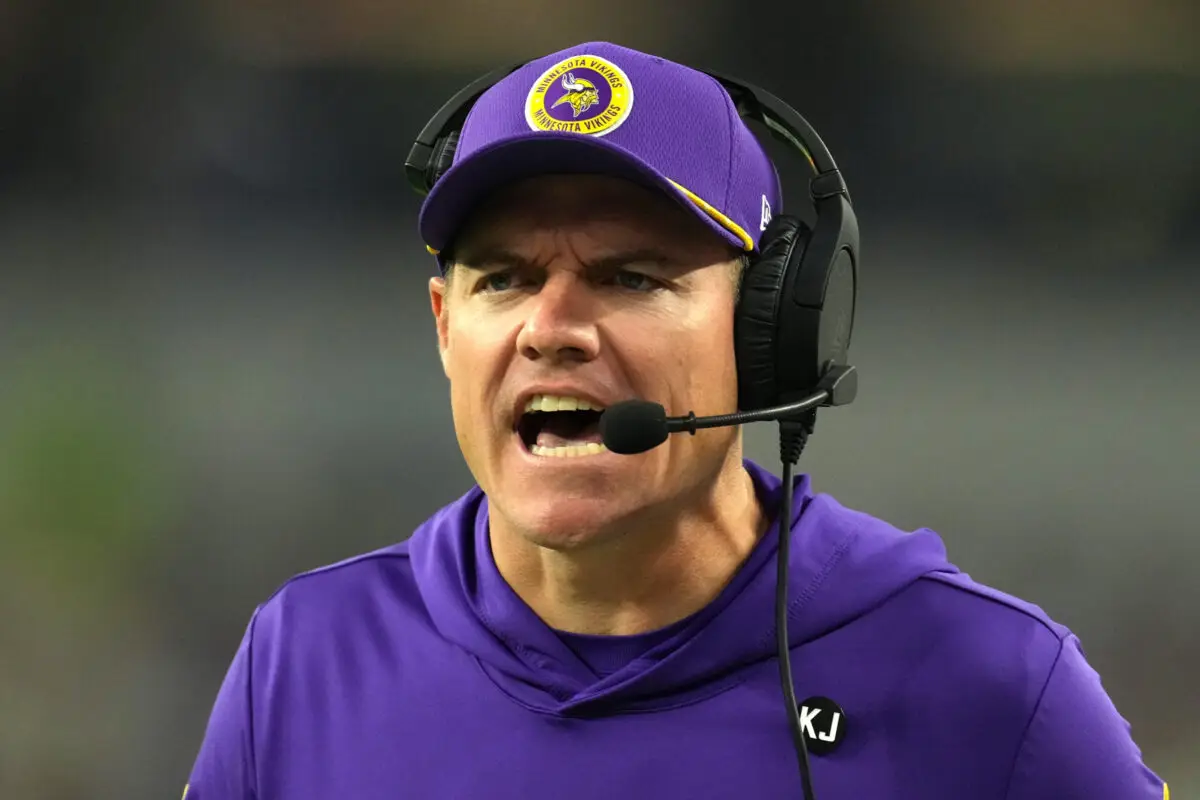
{"x": 416, "y": 672}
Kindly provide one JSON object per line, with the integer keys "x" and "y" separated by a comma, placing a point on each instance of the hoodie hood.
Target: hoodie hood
{"x": 842, "y": 564}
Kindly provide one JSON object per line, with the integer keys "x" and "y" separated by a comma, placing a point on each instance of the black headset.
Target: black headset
{"x": 795, "y": 314}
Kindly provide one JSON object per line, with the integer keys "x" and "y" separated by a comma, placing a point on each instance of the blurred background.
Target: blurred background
{"x": 218, "y": 367}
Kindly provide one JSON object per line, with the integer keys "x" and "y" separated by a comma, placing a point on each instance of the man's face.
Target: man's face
{"x": 592, "y": 289}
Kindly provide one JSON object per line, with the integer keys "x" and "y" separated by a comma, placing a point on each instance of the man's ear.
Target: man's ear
{"x": 439, "y": 306}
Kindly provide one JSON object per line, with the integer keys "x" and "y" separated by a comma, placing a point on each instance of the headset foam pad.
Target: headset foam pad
{"x": 756, "y": 322}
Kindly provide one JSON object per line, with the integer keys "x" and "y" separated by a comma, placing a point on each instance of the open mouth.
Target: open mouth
{"x": 560, "y": 427}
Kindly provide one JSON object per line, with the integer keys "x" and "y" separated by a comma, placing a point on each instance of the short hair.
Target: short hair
{"x": 739, "y": 275}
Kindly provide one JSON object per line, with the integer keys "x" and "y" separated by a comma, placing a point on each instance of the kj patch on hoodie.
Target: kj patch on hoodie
{"x": 416, "y": 672}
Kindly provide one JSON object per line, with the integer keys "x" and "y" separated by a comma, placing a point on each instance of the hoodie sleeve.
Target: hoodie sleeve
{"x": 224, "y": 767}
{"x": 1077, "y": 744}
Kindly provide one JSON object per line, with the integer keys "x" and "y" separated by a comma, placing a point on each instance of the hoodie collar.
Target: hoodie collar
{"x": 471, "y": 604}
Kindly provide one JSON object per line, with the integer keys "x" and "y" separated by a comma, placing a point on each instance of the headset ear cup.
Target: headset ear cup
{"x": 756, "y": 320}
{"x": 442, "y": 158}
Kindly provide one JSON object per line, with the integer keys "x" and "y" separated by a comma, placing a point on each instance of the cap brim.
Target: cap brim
{"x": 469, "y": 182}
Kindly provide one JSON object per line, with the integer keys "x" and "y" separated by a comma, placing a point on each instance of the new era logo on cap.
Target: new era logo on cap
{"x": 602, "y": 108}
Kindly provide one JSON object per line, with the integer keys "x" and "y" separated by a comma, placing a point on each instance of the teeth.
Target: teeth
{"x": 550, "y": 402}
{"x": 569, "y": 451}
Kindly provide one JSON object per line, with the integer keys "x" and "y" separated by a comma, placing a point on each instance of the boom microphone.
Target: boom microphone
{"x": 635, "y": 426}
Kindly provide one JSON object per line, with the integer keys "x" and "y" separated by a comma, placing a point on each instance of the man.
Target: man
{"x": 585, "y": 624}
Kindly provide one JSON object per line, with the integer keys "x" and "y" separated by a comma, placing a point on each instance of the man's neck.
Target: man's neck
{"x": 668, "y": 567}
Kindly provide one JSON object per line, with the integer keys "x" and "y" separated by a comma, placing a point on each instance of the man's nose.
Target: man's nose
{"x": 561, "y": 325}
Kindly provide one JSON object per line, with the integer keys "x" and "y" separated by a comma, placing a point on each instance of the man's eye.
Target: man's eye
{"x": 496, "y": 282}
{"x": 634, "y": 281}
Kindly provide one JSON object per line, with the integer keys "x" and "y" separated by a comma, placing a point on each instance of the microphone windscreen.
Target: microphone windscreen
{"x": 633, "y": 426}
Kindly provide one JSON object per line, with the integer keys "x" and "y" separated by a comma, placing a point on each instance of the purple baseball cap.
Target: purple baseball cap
{"x": 600, "y": 108}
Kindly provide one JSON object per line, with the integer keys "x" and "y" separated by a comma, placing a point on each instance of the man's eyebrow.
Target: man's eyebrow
{"x": 643, "y": 255}
{"x": 487, "y": 257}
{"x": 502, "y": 258}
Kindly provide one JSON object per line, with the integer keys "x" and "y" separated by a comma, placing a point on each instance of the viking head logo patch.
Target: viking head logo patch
{"x": 580, "y": 93}
{"x": 583, "y": 94}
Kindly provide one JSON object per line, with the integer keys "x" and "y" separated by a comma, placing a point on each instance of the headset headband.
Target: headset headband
{"x": 752, "y": 103}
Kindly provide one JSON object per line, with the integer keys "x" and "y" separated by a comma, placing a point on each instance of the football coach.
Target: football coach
{"x": 624, "y": 605}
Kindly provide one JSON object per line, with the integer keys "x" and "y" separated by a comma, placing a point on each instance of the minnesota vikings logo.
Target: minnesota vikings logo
{"x": 582, "y": 94}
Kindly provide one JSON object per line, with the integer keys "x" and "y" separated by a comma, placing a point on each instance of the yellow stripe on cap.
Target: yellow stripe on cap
{"x": 1166, "y": 792}
{"x": 432, "y": 252}
{"x": 726, "y": 222}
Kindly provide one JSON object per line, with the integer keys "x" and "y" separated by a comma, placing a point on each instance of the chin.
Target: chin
{"x": 566, "y": 521}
